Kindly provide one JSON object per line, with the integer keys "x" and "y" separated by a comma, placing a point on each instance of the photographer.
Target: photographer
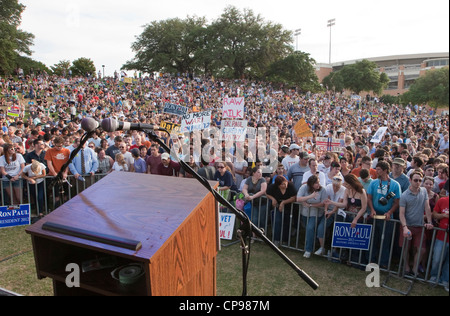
{"x": 383, "y": 200}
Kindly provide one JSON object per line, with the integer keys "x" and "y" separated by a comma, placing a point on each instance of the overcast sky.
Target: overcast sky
{"x": 103, "y": 30}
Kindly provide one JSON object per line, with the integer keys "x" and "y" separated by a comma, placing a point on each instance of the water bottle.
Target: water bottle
{"x": 409, "y": 236}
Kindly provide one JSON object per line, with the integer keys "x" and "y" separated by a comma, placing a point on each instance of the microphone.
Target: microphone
{"x": 112, "y": 125}
{"x": 89, "y": 124}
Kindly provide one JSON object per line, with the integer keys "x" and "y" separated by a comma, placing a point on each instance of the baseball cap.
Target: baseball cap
{"x": 165, "y": 156}
{"x": 399, "y": 161}
{"x": 304, "y": 155}
{"x": 294, "y": 146}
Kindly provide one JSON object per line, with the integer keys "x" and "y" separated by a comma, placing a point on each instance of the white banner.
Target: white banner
{"x": 233, "y": 108}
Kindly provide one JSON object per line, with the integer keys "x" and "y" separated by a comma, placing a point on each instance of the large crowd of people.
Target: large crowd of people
{"x": 404, "y": 176}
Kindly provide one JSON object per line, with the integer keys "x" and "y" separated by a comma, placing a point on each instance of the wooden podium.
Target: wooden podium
{"x": 166, "y": 225}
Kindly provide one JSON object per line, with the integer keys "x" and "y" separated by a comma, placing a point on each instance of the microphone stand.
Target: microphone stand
{"x": 247, "y": 226}
{"x": 58, "y": 179}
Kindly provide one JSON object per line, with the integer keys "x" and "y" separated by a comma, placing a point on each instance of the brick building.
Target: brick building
{"x": 402, "y": 70}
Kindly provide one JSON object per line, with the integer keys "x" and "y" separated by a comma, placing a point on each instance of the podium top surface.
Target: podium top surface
{"x": 142, "y": 207}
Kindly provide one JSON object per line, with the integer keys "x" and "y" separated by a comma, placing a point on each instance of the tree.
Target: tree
{"x": 234, "y": 45}
{"x": 28, "y": 64}
{"x": 61, "y": 68}
{"x": 83, "y": 66}
{"x": 334, "y": 81}
{"x": 432, "y": 88}
{"x": 168, "y": 46}
{"x": 295, "y": 70}
{"x": 358, "y": 77}
{"x": 12, "y": 40}
{"x": 245, "y": 44}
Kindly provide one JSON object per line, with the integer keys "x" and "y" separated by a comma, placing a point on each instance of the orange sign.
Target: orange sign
{"x": 302, "y": 129}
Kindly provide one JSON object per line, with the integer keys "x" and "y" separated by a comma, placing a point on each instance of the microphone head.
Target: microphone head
{"x": 89, "y": 124}
{"x": 110, "y": 125}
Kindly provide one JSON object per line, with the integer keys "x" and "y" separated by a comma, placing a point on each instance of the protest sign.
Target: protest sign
{"x": 235, "y": 130}
{"x": 195, "y": 121}
{"x": 379, "y": 135}
{"x": 233, "y": 108}
{"x": 175, "y": 109}
{"x": 328, "y": 144}
{"x": 344, "y": 236}
{"x": 171, "y": 127}
{"x": 302, "y": 129}
{"x": 226, "y": 225}
{"x": 14, "y": 215}
{"x": 13, "y": 111}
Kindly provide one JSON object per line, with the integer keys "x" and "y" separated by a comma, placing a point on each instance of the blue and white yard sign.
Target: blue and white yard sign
{"x": 344, "y": 236}
{"x": 14, "y": 215}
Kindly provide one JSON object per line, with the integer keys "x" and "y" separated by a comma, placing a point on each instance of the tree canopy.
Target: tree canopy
{"x": 237, "y": 44}
{"x": 431, "y": 88}
{"x": 358, "y": 77}
{"x": 13, "y": 40}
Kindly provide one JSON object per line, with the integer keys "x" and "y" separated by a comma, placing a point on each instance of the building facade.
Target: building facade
{"x": 402, "y": 70}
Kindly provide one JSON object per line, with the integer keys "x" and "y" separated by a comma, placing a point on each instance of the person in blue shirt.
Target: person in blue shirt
{"x": 383, "y": 197}
{"x": 84, "y": 165}
{"x": 140, "y": 166}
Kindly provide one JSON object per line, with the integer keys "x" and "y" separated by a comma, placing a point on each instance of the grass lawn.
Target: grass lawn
{"x": 268, "y": 274}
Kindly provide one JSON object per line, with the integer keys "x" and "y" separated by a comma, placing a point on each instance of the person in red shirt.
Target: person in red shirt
{"x": 167, "y": 167}
{"x": 440, "y": 250}
{"x": 366, "y": 163}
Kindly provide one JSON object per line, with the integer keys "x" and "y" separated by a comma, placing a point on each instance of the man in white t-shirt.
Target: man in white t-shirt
{"x": 312, "y": 163}
{"x": 293, "y": 157}
{"x": 324, "y": 166}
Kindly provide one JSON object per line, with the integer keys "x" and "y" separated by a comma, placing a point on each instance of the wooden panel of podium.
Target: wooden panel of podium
{"x": 166, "y": 226}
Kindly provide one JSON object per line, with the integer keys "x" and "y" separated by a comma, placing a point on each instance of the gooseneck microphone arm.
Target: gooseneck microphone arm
{"x": 247, "y": 228}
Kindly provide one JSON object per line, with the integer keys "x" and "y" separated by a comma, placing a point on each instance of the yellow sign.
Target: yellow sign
{"x": 302, "y": 129}
{"x": 171, "y": 127}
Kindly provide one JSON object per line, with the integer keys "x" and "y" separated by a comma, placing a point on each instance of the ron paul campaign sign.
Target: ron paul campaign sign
{"x": 175, "y": 109}
{"x": 14, "y": 215}
{"x": 344, "y": 236}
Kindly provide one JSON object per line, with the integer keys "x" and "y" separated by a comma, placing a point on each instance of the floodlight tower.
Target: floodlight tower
{"x": 297, "y": 32}
{"x": 330, "y": 24}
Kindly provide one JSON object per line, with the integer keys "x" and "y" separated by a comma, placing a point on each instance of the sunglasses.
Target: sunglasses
{"x": 337, "y": 179}
{"x": 417, "y": 180}
{"x": 220, "y": 167}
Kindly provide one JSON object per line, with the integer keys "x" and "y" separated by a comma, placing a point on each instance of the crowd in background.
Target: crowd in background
{"x": 40, "y": 118}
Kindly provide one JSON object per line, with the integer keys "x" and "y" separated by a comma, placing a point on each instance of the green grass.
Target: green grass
{"x": 268, "y": 274}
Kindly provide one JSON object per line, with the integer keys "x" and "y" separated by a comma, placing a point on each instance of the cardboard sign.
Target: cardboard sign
{"x": 328, "y": 144}
{"x": 235, "y": 130}
{"x": 233, "y": 108}
{"x": 195, "y": 121}
{"x": 379, "y": 135}
{"x": 302, "y": 129}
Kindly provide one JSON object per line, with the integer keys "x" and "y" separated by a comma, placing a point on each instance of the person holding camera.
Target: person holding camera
{"x": 383, "y": 197}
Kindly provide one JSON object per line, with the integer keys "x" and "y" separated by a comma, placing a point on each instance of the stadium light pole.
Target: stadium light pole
{"x": 330, "y": 24}
{"x": 297, "y": 32}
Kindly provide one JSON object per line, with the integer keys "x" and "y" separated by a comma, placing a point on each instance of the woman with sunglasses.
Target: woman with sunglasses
{"x": 11, "y": 167}
{"x": 225, "y": 179}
